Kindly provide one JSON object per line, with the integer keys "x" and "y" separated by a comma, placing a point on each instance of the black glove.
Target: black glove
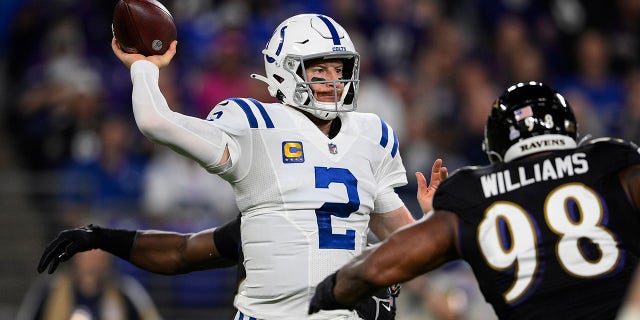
{"x": 324, "y": 299}
{"x": 381, "y": 306}
{"x": 71, "y": 241}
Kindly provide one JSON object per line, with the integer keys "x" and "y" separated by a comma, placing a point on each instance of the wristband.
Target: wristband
{"x": 325, "y": 298}
{"x": 115, "y": 241}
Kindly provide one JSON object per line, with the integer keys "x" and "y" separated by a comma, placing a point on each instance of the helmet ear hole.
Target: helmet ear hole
{"x": 300, "y": 73}
{"x": 348, "y": 68}
{"x": 348, "y": 99}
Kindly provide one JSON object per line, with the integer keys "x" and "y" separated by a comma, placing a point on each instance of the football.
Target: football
{"x": 143, "y": 26}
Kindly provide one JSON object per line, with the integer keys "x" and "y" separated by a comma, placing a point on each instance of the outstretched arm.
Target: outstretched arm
{"x": 412, "y": 251}
{"x": 155, "y": 251}
{"x": 176, "y": 253}
{"x": 405, "y": 255}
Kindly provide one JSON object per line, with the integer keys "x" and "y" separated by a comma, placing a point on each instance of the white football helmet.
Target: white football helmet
{"x": 302, "y": 38}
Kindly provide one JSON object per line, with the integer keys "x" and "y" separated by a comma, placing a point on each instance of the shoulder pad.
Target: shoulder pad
{"x": 254, "y": 112}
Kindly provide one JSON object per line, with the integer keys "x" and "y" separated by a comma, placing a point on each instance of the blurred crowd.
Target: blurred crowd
{"x": 430, "y": 68}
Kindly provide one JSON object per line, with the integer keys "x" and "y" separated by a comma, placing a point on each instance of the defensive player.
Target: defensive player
{"x": 172, "y": 253}
{"x": 550, "y": 228}
{"x": 310, "y": 177}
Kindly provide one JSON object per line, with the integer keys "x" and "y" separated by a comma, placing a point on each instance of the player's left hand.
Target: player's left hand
{"x": 426, "y": 192}
{"x": 381, "y": 306}
{"x": 66, "y": 244}
{"x": 128, "y": 59}
{"x": 324, "y": 298}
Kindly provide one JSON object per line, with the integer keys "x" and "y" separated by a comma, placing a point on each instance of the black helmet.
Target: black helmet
{"x": 528, "y": 117}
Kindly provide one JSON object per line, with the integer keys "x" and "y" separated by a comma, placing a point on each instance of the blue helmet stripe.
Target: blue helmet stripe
{"x": 332, "y": 29}
{"x": 263, "y": 112}
{"x": 253, "y": 122}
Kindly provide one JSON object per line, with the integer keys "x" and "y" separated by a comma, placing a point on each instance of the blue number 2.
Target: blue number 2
{"x": 328, "y": 239}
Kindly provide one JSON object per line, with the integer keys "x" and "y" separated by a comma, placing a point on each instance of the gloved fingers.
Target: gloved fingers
{"x": 54, "y": 265}
{"x": 51, "y": 252}
{"x": 70, "y": 250}
{"x": 63, "y": 251}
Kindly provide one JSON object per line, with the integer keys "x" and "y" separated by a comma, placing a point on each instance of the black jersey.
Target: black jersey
{"x": 549, "y": 238}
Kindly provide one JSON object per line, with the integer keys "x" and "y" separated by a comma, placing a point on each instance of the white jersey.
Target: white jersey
{"x": 305, "y": 198}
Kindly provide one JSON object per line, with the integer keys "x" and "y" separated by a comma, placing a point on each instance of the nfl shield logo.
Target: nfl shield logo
{"x": 333, "y": 149}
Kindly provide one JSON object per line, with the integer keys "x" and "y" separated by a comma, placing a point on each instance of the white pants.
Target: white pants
{"x": 317, "y": 316}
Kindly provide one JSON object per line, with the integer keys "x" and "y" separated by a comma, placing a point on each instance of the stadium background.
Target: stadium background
{"x": 70, "y": 153}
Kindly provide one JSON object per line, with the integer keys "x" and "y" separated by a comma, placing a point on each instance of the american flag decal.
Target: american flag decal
{"x": 333, "y": 149}
{"x": 523, "y": 113}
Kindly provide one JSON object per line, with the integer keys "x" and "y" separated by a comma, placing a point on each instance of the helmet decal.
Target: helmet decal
{"x": 513, "y": 133}
{"x": 332, "y": 29}
{"x": 523, "y": 113}
{"x": 271, "y": 59}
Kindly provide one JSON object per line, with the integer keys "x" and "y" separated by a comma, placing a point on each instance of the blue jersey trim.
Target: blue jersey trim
{"x": 253, "y": 122}
{"x": 241, "y": 317}
{"x": 396, "y": 144}
{"x": 385, "y": 134}
{"x": 384, "y": 140}
{"x": 263, "y": 112}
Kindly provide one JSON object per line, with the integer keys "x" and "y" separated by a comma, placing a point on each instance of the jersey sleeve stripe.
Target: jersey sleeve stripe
{"x": 263, "y": 112}
{"x": 396, "y": 144}
{"x": 385, "y": 134}
{"x": 384, "y": 140}
{"x": 253, "y": 122}
{"x": 241, "y": 317}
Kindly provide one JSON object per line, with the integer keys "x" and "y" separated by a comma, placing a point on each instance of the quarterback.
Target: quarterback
{"x": 311, "y": 177}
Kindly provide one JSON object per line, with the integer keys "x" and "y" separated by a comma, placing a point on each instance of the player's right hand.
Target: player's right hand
{"x": 128, "y": 59}
{"x": 66, "y": 244}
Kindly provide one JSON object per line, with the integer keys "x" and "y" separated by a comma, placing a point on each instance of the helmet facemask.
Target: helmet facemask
{"x": 344, "y": 99}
